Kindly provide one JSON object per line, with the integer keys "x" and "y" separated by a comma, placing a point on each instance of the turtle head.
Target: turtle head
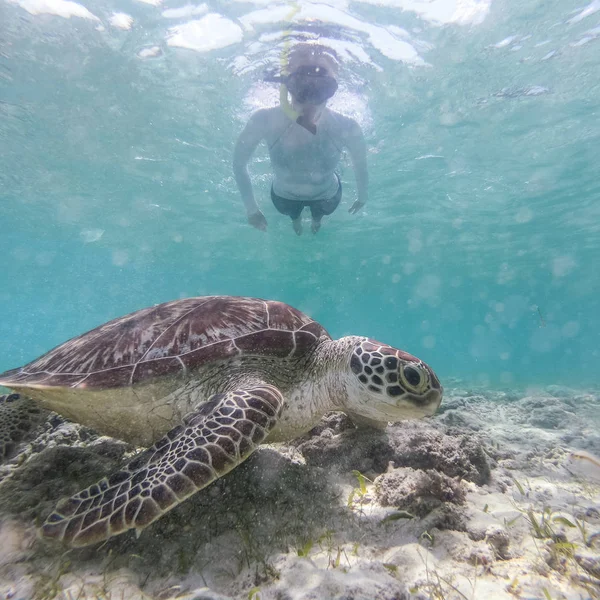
{"x": 387, "y": 384}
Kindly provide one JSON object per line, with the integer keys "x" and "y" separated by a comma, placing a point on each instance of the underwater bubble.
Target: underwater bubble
{"x": 589, "y": 10}
{"x": 211, "y": 32}
{"x": 514, "y": 308}
{"x": 562, "y": 266}
{"x": 63, "y": 9}
{"x": 180, "y": 173}
{"x": 524, "y": 215}
{"x": 45, "y": 259}
{"x": 387, "y": 259}
{"x": 121, "y": 20}
{"x": 89, "y": 236}
{"x": 428, "y": 341}
{"x": 505, "y": 42}
{"x": 415, "y": 245}
{"x": 505, "y": 275}
{"x": 396, "y": 278}
{"x": 188, "y": 10}
{"x": 344, "y": 261}
{"x": 582, "y": 41}
{"x": 70, "y": 209}
{"x": 545, "y": 339}
{"x": 570, "y": 329}
{"x": 483, "y": 379}
{"x": 152, "y": 52}
{"x": 449, "y": 118}
{"x": 120, "y": 258}
{"x": 21, "y": 253}
{"x": 428, "y": 286}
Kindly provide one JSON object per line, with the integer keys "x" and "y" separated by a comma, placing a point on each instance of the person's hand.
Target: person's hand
{"x": 258, "y": 221}
{"x": 356, "y": 207}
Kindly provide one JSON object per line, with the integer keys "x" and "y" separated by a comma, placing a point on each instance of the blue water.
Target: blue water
{"x": 480, "y": 246}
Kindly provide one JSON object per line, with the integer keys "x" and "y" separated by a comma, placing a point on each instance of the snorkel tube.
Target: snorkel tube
{"x": 292, "y": 114}
{"x": 310, "y": 83}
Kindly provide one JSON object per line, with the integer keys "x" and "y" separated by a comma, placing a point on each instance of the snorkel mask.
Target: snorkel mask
{"x": 309, "y": 85}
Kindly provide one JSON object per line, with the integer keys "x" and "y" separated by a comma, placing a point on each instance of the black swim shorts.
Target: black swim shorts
{"x": 318, "y": 208}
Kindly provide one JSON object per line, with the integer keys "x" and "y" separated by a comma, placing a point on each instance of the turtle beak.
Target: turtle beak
{"x": 433, "y": 398}
{"x": 426, "y": 405}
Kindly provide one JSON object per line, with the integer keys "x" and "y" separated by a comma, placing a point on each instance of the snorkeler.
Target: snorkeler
{"x": 305, "y": 141}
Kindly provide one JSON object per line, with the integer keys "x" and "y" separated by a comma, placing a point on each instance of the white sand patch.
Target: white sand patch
{"x": 530, "y": 530}
{"x": 121, "y": 21}
{"x": 60, "y": 8}
{"x": 202, "y": 35}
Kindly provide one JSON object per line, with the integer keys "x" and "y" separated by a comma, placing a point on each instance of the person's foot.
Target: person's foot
{"x": 316, "y": 225}
{"x": 297, "y": 223}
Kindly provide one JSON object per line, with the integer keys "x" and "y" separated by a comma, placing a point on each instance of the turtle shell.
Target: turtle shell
{"x": 171, "y": 339}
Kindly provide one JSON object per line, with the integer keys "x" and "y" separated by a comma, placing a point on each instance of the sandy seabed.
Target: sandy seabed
{"x": 484, "y": 500}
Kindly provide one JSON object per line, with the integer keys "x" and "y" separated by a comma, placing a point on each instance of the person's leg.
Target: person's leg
{"x": 291, "y": 208}
{"x": 297, "y": 225}
{"x": 320, "y": 208}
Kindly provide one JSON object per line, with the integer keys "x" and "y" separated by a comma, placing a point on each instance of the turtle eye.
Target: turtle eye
{"x": 413, "y": 377}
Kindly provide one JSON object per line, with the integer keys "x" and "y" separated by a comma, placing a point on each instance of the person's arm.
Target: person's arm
{"x": 246, "y": 144}
{"x": 355, "y": 142}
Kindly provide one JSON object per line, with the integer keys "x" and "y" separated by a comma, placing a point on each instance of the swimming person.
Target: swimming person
{"x": 305, "y": 141}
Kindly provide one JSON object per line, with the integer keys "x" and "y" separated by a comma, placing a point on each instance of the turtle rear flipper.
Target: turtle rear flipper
{"x": 211, "y": 442}
{"x": 18, "y": 416}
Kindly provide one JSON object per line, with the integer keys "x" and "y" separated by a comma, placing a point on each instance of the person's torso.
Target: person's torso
{"x": 304, "y": 164}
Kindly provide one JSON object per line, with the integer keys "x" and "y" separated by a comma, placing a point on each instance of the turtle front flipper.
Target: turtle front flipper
{"x": 213, "y": 440}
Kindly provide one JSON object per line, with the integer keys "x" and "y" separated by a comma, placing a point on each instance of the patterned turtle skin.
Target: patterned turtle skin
{"x": 202, "y": 382}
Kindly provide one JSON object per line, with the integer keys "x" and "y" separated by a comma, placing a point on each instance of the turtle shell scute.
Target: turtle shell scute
{"x": 269, "y": 342}
{"x": 169, "y": 339}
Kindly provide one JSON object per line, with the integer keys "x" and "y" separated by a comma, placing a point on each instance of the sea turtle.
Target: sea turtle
{"x": 206, "y": 380}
